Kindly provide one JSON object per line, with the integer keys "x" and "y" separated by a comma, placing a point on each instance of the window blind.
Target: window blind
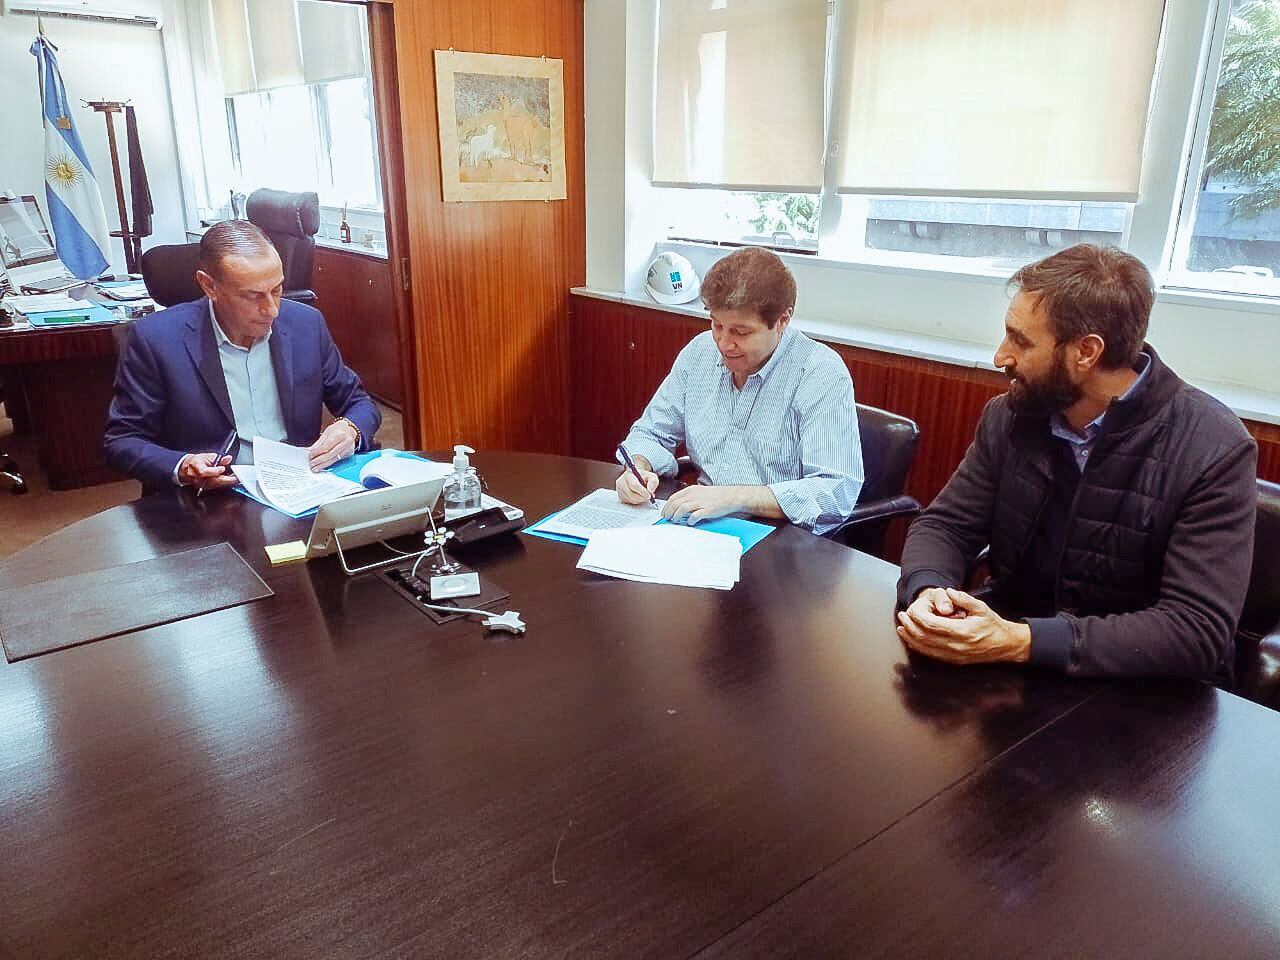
{"x": 264, "y": 44}
{"x": 739, "y": 94}
{"x": 334, "y": 38}
{"x": 1028, "y": 99}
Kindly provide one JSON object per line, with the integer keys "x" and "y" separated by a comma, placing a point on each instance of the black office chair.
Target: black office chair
{"x": 888, "y": 449}
{"x": 1258, "y": 638}
{"x": 10, "y": 472}
{"x": 291, "y": 221}
{"x": 169, "y": 271}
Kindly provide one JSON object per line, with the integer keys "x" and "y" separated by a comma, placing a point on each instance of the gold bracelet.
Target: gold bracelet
{"x": 351, "y": 424}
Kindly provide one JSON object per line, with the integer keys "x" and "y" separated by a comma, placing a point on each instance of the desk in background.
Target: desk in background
{"x": 64, "y": 378}
{"x": 649, "y": 771}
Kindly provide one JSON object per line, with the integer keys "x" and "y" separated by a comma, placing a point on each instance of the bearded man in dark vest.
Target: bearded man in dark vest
{"x": 1117, "y": 500}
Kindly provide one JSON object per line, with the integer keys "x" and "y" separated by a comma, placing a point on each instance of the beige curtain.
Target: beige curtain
{"x": 996, "y": 98}
{"x": 231, "y": 43}
{"x": 263, "y": 44}
{"x": 335, "y": 44}
{"x": 739, "y": 94}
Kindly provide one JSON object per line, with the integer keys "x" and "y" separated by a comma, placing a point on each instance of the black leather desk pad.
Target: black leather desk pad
{"x": 67, "y": 611}
{"x": 417, "y": 592}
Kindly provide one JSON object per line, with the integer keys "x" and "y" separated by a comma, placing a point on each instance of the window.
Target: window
{"x": 1229, "y": 234}
{"x": 786, "y": 221}
{"x": 298, "y": 97}
{"x": 321, "y": 134}
{"x": 994, "y": 234}
{"x": 993, "y": 133}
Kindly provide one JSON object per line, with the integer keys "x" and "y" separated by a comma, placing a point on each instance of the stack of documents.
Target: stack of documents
{"x": 124, "y": 290}
{"x": 56, "y": 309}
{"x": 281, "y": 476}
{"x": 41, "y": 302}
{"x": 683, "y": 556}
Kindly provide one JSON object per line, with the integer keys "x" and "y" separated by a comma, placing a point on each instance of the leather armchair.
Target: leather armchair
{"x": 291, "y": 221}
{"x": 1258, "y": 638}
{"x": 169, "y": 271}
{"x": 888, "y": 450}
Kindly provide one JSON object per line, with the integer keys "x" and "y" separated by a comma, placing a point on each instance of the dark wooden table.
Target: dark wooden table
{"x": 647, "y": 771}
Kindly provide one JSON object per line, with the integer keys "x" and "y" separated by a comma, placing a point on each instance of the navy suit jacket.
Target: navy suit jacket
{"x": 171, "y": 397}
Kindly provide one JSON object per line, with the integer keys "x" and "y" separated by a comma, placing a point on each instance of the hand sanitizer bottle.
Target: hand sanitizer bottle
{"x": 462, "y": 488}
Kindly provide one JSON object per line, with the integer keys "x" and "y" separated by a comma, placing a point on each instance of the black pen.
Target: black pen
{"x": 653, "y": 501}
{"x": 227, "y": 444}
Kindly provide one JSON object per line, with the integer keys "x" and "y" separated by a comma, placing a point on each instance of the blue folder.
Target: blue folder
{"x": 749, "y": 532}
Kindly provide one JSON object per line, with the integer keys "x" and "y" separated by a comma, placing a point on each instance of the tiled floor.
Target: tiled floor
{"x": 28, "y": 518}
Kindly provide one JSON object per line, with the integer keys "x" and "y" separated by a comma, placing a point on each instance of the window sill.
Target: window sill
{"x": 1246, "y": 403}
{"x": 929, "y": 266}
{"x": 376, "y": 252}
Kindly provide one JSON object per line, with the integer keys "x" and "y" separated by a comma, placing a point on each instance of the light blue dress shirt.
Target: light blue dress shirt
{"x": 1082, "y": 446}
{"x": 792, "y": 427}
{"x": 251, "y": 384}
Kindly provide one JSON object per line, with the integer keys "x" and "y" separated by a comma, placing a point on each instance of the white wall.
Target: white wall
{"x": 1209, "y": 340}
{"x": 99, "y": 61}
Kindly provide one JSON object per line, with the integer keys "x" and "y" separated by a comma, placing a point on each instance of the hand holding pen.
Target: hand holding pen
{"x": 635, "y": 485}
{"x": 209, "y": 470}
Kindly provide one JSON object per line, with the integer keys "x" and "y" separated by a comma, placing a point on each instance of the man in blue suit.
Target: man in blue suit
{"x": 239, "y": 358}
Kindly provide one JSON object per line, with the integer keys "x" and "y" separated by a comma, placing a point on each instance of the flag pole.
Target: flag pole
{"x": 132, "y": 243}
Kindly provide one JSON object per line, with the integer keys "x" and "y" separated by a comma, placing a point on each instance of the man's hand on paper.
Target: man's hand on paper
{"x": 205, "y": 471}
{"x": 699, "y": 502}
{"x": 629, "y": 489}
{"x": 337, "y": 442}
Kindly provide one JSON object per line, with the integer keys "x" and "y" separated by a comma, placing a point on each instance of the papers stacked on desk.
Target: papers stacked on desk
{"x": 281, "y": 477}
{"x": 683, "y": 556}
{"x": 124, "y": 289}
{"x": 41, "y": 302}
{"x": 56, "y": 309}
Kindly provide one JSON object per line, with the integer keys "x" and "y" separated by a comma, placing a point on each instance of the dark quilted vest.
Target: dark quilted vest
{"x": 1150, "y": 449}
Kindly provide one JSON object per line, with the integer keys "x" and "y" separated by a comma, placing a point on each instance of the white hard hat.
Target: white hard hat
{"x": 672, "y": 279}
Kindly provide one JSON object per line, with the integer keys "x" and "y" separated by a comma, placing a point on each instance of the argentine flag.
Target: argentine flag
{"x": 75, "y": 204}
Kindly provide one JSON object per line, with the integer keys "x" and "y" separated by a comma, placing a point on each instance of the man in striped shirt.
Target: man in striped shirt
{"x": 766, "y": 414}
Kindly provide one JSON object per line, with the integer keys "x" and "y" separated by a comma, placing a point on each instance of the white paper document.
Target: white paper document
{"x": 284, "y": 477}
{"x": 396, "y": 471}
{"x": 601, "y": 510}
{"x": 674, "y": 554}
{"x": 43, "y": 302}
{"x": 126, "y": 291}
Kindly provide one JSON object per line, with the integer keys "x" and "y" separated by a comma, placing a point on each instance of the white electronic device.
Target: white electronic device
{"x": 363, "y": 518}
{"x": 26, "y": 249}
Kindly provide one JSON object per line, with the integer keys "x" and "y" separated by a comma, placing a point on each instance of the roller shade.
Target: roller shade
{"x": 264, "y": 44}
{"x": 996, "y": 98}
{"x": 739, "y": 94}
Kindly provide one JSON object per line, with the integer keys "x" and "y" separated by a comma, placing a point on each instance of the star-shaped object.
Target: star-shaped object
{"x": 509, "y": 621}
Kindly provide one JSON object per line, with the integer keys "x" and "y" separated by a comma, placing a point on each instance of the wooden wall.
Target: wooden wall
{"x": 354, "y": 291}
{"x": 621, "y": 353}
{"x": 489, "y": 281}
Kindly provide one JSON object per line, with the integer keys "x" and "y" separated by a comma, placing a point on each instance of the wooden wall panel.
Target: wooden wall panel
{"x": 490, "y": 281}
{"x": 354, "y": 293}
{"x": 1268, "y": 437}
{"x": 629, "y": 349}
{"x": 386, "y": 104}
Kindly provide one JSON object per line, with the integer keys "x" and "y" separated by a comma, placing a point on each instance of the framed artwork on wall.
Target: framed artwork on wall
{"x": 501, "y": 126}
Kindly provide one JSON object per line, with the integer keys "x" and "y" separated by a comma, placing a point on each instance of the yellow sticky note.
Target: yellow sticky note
{"x": 286, "y": 552}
